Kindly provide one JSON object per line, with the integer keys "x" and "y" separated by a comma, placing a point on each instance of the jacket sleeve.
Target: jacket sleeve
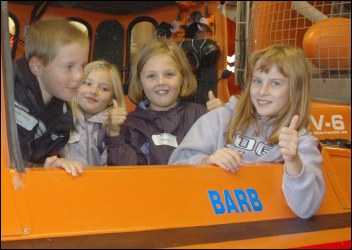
{"x": 305, "y": 192}
{"x": 204, "y": 138}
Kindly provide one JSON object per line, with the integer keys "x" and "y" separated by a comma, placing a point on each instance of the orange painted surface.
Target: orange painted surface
{"x": 133, "y": 199}
{"x": 336, "y": 162}
{"x": 328, "y": 43}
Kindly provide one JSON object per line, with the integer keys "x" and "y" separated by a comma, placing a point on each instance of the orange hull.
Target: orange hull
{"x": 164, "y": 206}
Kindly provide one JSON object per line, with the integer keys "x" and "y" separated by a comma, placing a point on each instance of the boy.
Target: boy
{"x": 45, "y": 78}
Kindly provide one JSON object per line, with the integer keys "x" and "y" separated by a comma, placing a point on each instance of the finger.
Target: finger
{"x": 235, "y": 155}
{"x": 115, "y": 104}
{"x": 228, "y": 159}
{"x": 67, "y": 168}
{"x": 211, "y": 95}
{"x": 294, "y": 122}
{"x": 79, "y": 167}
{"x": 73, "y": 167}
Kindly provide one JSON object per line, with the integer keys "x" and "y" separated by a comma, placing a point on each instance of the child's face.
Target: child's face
{"x": 96, "y": 93}
{"x": 64, "y": 74}
{"x": 269, "y": 92}
{"x": 161, "y": 82}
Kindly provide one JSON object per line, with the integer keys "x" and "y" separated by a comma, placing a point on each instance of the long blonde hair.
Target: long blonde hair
{"x": 151, "y": 49}
{"x": 116, "y": 83}
{"x": 292, "y": 63}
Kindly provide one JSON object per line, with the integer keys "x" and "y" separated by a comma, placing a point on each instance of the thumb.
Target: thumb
{"x": 211, "y": 95}
{"x": 50, "y": 161}
{"x": 115, "y": 104}
{"x": 294, "y": 122}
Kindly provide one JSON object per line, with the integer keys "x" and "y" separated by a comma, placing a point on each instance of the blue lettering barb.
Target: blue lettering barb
{"x": 247, "y": 201}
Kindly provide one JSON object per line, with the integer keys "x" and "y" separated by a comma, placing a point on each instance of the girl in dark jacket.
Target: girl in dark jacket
{"x": 161, "y": 78}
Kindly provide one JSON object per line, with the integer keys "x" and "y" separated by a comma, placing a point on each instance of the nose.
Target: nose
{"x": 263, "y": 89}
{"x": 79, "y": 75}
{"x": 161, "y": 80}
{"x": 93, "y": 90}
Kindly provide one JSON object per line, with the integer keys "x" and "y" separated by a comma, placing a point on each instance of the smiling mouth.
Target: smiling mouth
{"x": 161, "y": 92}
{"x": 90, "y": 99}
{"x": 262, "y": 102}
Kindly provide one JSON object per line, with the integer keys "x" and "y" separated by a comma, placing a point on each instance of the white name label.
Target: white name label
{"x": 74, "y": 137}
{"x": 24, "y": 119}
{"x": 165, "y": 139}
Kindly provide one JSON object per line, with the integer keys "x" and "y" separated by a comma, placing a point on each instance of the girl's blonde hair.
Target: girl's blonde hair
{"x": 154, "y": 48}
{"x": 292, "y": 63}
{"x": 115, "y": 81}
{"x": 48, "y": 35}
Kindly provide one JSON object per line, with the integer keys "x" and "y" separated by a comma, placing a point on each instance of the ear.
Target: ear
{"x": 36, "y": 66}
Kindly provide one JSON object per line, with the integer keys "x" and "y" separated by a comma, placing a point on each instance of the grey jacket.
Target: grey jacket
{"x": 86, "y": 143}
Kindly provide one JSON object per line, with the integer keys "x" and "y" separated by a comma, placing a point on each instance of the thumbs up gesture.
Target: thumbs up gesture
{"x": 213, "y": 102}
{"x": 288, "y": 143}
{"x": 116, "y": 119}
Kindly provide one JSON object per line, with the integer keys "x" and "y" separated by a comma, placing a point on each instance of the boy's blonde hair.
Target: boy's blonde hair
{"x": 118, "y": 94}
{"x": 48, "y": 35}
{"x": 154, "y": 48}
{"x": 292, "y": 63}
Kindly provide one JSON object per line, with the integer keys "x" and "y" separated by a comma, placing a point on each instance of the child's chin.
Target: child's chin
{"x": 68, "y": 95}
{"x": 66, "y": 98}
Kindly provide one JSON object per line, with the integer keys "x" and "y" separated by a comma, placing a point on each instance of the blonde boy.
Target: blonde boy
{"x": 45, "y": 78}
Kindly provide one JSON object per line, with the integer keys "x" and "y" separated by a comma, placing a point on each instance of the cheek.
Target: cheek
{"x": 177, "y": 88}
{"x": 284, "y": 96}
{"x": 252, "y": 93}
{"x": 79, "y": 98}
{"x": 177, "y": 85}
{"x": 81, "y": 91}
{"x": 147, "y": 88}
{"x": 109, "y": 100}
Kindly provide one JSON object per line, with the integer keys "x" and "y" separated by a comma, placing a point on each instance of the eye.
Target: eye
{"x": 256, "y": 81}
{"x": 150, "y": 76}
{"x": 87, "y": 83}
{"x": 106, "y": 89}
{"x": 69, "y": 67}
{"x": 276, "y": 83}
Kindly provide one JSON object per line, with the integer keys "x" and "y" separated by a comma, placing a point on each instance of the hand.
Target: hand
{"x": 117, "y": 117}
{"x": 288, "y": 143}
{"x": 213, "y": 102}
{"x": 225, "y": 158}
{"x": 71, "y": 167}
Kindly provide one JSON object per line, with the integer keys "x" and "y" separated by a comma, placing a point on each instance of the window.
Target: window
{"x": 140, "y": 31}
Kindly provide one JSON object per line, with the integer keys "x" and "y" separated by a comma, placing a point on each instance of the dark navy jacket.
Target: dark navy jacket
{"x": 42, "y": 129}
